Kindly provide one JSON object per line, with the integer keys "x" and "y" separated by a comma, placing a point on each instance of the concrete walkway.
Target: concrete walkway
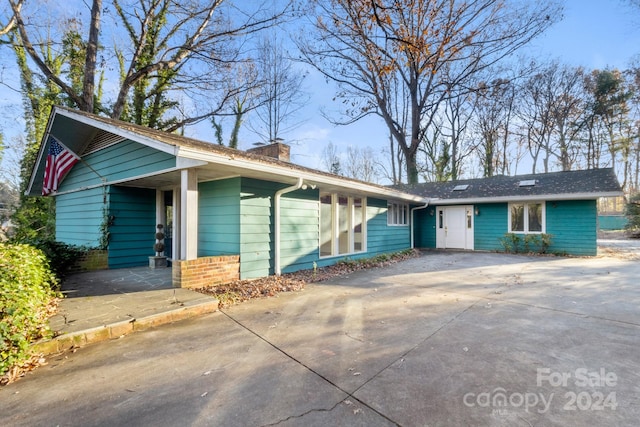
{"x": 447, "y": 339}
{"x": 107, "y": 304}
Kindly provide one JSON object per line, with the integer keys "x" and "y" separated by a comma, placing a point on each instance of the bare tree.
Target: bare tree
{"x": 566, "y": 112}
{"x": 281, "y": 91}
{"x": 165, "y": 36}
{"x": 378, "y": 51}
{"x": 331, "y": 159}
{"x": 494, "y": 111}
{"x": 10, "y": 23}
{"x": 361, "y": 164}
{"x": 536, "y": 115}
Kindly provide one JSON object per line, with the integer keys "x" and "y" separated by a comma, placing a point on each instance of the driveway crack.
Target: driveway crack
{"x": 349, "y": 395}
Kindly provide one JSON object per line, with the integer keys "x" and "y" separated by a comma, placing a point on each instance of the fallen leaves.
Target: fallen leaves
{"x": 243, "y": 290}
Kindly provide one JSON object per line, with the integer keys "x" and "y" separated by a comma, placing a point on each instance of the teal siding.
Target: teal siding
{"x": 382, "y": 238}
{"x": 120, "y": 161}
{"x": 132, "y": 232}
{"x": 256, "y": 239}
{"x": 79, "y": 216}
{"x": 219, "y": 218}
{"x": 489, "y": 226}
{"x": 612, "y": 222}
{"x": 299, "y": 230}
{"x": 573, "y": 225}
{"x": 425, "y": 228}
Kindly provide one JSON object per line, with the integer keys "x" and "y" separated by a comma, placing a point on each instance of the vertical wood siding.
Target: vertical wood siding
{"x": 132, "y": 234}
{"x": 574, "y": 226}
{"x": 79, "y": 216}
{"x": 124, "y": 160}
{"x": 219, "y": 218}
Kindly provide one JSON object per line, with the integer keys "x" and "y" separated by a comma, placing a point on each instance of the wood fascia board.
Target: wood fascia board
{"x": 540, "y": 197}
{"x": 117, "y": 130}
{"x": 290, "y": 175}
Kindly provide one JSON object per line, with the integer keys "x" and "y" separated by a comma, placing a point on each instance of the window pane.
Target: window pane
{"x": 389, "y": 214}
{"x": 440, "y": 219}
{"x": 535, "y": 217}
{"x": 358, "y": 220}
{"x": 517, "y": 217}
{"x": 343, "y": 225}
{"x": 469, "y": 219}
{"x": 325, "y": 225}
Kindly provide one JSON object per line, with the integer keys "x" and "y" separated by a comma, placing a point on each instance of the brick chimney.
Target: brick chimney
{"x": 277, "y": 150}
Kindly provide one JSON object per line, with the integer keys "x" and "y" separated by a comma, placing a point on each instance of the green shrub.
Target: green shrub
{"x": 26, "y": 298}
{"x": 529, "y": 243}
{"x": 62, "y": 257}
{"x": 511, "y": 243}
{"x": 632, "y": 212}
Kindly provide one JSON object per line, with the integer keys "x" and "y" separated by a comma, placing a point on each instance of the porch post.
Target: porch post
{"x": 161, "y": 217}
{"x": 188, "y": 214}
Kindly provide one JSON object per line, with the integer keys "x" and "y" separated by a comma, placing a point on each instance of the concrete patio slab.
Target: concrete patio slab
{"x": 108, "y": 304}
{"x": 447, "y": 339}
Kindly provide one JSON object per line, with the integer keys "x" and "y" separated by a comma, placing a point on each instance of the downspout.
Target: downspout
{"x": 276, "y": 208}
{"x": 412, "y": 221}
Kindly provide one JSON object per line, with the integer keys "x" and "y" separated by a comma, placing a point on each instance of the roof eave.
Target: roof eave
{"x": 546, "y": 197}
{"x": 292, "y": 174}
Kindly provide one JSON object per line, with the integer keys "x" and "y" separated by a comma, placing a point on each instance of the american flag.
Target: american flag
{"x": 59, "y": 161}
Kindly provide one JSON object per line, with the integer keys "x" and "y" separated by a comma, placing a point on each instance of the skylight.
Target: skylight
{"x": 528, "y": 183}
{"x": 461, "y": 187}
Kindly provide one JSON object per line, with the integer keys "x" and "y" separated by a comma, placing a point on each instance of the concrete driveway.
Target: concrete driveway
{"x": 448, "y": 339}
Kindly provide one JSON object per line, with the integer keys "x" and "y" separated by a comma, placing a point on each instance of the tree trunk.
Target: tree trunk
{"x": 88, "y": 85}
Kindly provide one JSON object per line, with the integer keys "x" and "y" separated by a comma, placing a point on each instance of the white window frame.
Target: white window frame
{"x": 397, "y": 214}
{"x": 335, "y": 226}
{"x": 526, "y": 217}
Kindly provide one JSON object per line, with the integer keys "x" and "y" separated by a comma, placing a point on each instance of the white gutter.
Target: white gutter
{"x": 276, "y": 208}
{"x": 413, "y": 221}
{"x": 527, "y": 198}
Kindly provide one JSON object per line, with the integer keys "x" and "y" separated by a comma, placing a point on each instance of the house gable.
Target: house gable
{"x": 119, "y": 162}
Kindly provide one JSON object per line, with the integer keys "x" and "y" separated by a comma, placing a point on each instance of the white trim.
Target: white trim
{"x": 119, "y": 181}
{"x": 515, "y": 198}
{"x": 34, "y": 169}
{"x": 396, "y": 210}
{"x": 309, "y": 177}
{"x": 117, "y": 130}
{"x": 189, "y": 214}
{"x": 270, "y": 169}
{"x": 526, "y": 216}
{"x": 335, "y": 225}
{"x": 184, "y": 163}
{"x": 442, "y": 234}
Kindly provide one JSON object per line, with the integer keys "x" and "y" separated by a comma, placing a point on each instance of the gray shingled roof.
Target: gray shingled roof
{"x": 583, "y": 184}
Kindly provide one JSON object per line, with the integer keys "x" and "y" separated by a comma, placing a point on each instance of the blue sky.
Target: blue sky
{"x": 593, "y": 33}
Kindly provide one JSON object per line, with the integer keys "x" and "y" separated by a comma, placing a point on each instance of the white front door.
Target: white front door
{"x": 454, "y": 227}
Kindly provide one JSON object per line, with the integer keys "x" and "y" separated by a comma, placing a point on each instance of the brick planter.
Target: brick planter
{"x": 206, "y": 271}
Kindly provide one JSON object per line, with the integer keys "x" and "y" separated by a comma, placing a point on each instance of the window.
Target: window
{"x": 342, "y": 224}
{"x": 526, "y": 217}
{"x": 397, "y": 214}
